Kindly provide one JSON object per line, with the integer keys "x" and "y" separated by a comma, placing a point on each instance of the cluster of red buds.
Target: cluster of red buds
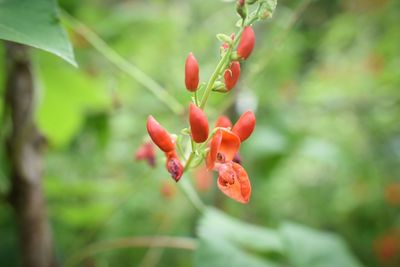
{"x": 219, "y": 147}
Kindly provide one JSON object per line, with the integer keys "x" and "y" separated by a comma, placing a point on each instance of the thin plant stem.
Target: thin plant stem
{"x": 132, "y": 242}
{"x": 192, "y": 195}
{"x": 121, "y": 63}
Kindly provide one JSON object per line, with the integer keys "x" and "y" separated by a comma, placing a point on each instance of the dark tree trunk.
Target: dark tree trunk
{"x": 24, "y": 149}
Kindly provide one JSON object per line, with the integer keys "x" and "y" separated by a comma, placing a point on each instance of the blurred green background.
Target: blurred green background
{"x": 324, "y": 80}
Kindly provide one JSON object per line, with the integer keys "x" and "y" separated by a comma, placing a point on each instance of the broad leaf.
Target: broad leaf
{"x": 35, "y": 23}
{"x": 225, "y": 241}
{"x": 68, "y": 95}
{"x": 308, "y": 247}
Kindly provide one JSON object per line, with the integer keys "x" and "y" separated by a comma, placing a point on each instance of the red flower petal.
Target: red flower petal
{"x": 234, "y": 182}
{"x": 245, "y": 125}
{"x": 173, "y": 165}
{"x": 223, "y": 121}
{"x": 231, "y": 75}
{"x": 146, "y": 152}
{"x": 191, "y": 73}
{"x": 246, "y": 43}
{"x": 159, "y": 135}
{"x": 223, "y": 148}
{"x": 198, "y": 124}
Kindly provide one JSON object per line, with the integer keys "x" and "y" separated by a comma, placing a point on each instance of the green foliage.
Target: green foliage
{"x": 325, "y": 84}
{"x": 309, "y": 247}
{"x": 35, "y": 23}
{"x": 225, "y": 241}
{"x": 67, "y": 95}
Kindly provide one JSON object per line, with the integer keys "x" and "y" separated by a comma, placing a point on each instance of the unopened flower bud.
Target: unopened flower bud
{"x": 245, "y": 125}
{"x": 198, "y": 124}
{"x": 191, "y": 73}
{"x": 246, "y": 43}
{"x": 231, "y": 75}
{"x": 159, "y": 135}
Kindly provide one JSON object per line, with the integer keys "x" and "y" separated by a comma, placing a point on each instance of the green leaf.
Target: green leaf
{"x": 35, "y": 23}
{"x": 225, "y": 241}
{"x": 308, "y": 247}
{"x": 68, "y": 95}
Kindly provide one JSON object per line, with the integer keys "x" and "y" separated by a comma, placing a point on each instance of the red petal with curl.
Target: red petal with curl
{"x": 223, "y": 148}
{"x": 234, "y": 182}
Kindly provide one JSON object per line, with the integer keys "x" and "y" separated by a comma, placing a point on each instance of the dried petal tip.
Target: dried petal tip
{"x": 231, "y": 75}
{"x": 159, "y": 135}
{"x": 246, "y": 43}
{"x": 245, "y": 125}
{"x": 175, "y": 168}
{"x": 191, "y": 73}
{"x": 198, "y": 124}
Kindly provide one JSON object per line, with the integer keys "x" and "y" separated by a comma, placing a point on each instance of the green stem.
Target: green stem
{"x": 192, "y": 195}
{"x": 122, "y": 64}
{"x": 221, "y": 65}
{"x": 132, "y": 242}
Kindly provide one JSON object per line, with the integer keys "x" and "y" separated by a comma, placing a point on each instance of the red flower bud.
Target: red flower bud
{"x": 174, "y": 166}
{"x": 146, "y": 152}
{"x": 231, "y": 75}
{"x": 246, "y": 43}
{"x": 245, "y": 125}
{"x": 191, "y": 73}
{"x": 159, "y": 135}
{"x": 223, "y": 121}
{"x": 198, "y": 124}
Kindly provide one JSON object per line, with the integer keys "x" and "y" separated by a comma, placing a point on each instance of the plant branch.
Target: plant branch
{"x": 124, "y": 65}
{"x": 132, "y": 242}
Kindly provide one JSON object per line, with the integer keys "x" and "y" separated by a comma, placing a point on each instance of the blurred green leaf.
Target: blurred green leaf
{"x": 68, "y": 95}
{"x": 35, "y": 23}
{"x": 225, "y": 241}
{"x": 308, "y": 247}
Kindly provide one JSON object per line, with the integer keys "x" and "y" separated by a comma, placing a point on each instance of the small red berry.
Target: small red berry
{"x": 231, "y": 75}
{"x": 246, "y": 43}
{"x": 198, "y": 124}
{"x": 159, "y": 135}
{"x": 245, "y": 125}
{"x": 191, "y": 73}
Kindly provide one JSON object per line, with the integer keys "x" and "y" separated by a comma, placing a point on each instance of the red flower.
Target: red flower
{"x": 231, "y": 75}
{"x": 164, "y": 141}
{"x": 234, "y": 182}
{"x": 223, "y": 148}
{"x": 246, "y": 43}
{"x": 222, "y": 156}
{"x": 198, "y": 124}
{"x": 245, "y": 125}
{"x": 173, "y": 165}
{"x": 146, "y": 152}
{"x": 191, "y": 73}
{"x": 159, "y": 135}
{"x": 223, "y": 121}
